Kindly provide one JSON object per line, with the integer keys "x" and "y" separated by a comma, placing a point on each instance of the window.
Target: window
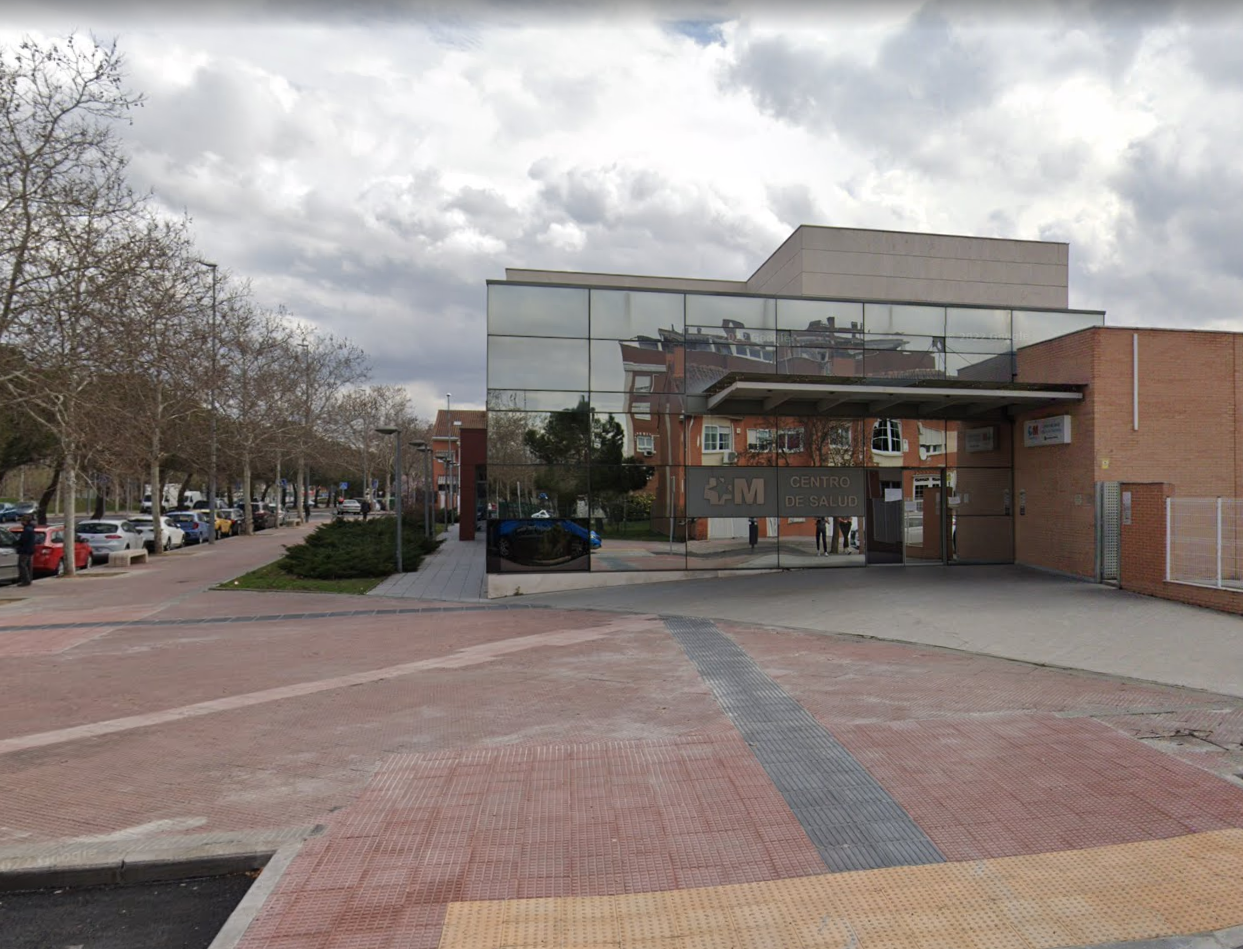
{"x": 790, "y": 440}
{"x": 642, "y": 383}
{"x": 718, "y": 438}
{"x": 931, "y": 440}
{"x": 839, "y": 437}
{"x": 641, "y": 410}
{"x": 759, "y": 439}
{"x": 644, "y": 444}
{"x": 887, "y": 437}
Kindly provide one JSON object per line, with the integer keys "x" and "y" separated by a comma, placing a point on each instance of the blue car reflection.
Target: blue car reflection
{"x": 542, "y": 540}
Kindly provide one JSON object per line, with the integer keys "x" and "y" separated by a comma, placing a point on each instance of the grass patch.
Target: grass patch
{"x": 274, "y": 577}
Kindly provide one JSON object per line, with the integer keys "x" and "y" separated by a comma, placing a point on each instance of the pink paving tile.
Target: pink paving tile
{"x": 544, "y": 821}
{"x": 1018, "y": 784}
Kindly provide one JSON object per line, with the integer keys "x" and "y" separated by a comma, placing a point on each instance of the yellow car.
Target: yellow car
{"x": 226, "y": 526}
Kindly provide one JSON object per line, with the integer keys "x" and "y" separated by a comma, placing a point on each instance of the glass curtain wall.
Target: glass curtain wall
{"x": 590, "y": 443}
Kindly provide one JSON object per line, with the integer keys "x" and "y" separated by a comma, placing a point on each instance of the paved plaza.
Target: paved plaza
{"x": 755, "y": 762}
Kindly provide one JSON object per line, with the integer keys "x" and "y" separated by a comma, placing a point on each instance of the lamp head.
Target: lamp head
{"x": 387, "y": 431}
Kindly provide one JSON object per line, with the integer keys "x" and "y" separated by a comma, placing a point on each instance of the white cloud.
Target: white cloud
{"x": 371, "y": 171}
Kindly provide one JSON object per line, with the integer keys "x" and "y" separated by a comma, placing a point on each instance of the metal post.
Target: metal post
{"x": 1219, "y": 542}
{"x": 449, "y": 462}
{"x": 427, "y": 491}
{"x": 211, "y": 464}
{"x": 397, "y": 506}
{"x": 1168, "y": 506}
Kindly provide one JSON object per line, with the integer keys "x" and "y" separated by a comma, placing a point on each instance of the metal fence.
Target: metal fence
{"x": 1204, "y": 541}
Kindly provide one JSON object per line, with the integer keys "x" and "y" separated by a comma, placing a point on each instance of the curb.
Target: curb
{"x": 149, "y": 860}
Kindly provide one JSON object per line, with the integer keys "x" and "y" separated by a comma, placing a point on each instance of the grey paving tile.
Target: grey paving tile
{"x": 850, "y": 818}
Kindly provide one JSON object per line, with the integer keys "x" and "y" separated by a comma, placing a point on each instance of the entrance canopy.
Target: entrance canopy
{"x": 751, "y": 394}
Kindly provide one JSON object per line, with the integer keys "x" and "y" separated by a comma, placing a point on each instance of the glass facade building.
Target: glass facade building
{"x": 652, "y": 430}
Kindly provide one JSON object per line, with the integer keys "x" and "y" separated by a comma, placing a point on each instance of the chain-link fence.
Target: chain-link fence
{"x": 1204, "y": 541}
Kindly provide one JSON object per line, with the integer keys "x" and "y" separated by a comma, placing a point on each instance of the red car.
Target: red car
{"x": 50, "y": 552}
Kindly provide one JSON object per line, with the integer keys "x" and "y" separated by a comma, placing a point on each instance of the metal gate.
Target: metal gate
{"x": 1108, "y": 530}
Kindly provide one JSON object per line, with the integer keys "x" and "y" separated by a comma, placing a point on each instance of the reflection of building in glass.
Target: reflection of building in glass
{"x": 891, "y": 357}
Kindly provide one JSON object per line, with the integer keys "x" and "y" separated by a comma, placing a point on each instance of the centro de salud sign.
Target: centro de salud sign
{"x": 775, "y": 492}
{"x": 1047, "y": 431}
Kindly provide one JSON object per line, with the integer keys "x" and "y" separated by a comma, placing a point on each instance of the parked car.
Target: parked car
{"x": 8, "y": 556}
{"x": 350, "y": 506}
{"x": 196, "y": 525}
{"x": 544, "y": 540}
{"x": 105, "y": 536}
{"x": 15, "y": 512}
{"x": 172, "y": 535}
{"x": 262, "y": 518}
{"x": 227, "y": 524}
{"x": 50, "y": 552}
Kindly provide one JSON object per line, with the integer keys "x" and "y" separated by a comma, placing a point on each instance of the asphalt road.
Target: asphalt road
{"x": 183, "y": 914}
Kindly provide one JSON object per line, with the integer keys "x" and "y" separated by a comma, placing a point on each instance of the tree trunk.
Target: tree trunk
{"x": 157, "y": 505}
{"x": 71, "y": 511}
{"x": 248, "y": 520}
{"x": 48, "y": 493}
{"x": 185, "y": 486}
{"x": 280, "y": 493}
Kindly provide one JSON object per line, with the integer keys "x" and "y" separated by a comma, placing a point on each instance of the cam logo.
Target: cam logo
{"x": 721, "y": 491}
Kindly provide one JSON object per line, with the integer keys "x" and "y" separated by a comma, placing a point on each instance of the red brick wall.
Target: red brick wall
{"x": 1143, "y": 554}
{"x": 474, "y": 446}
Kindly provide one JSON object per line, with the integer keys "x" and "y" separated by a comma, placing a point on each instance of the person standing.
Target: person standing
{"x": 365, "y": 507}
{"x": 26, "y": 552}
{"x": 822, "y": 537}
{"x": 844, "y": 524}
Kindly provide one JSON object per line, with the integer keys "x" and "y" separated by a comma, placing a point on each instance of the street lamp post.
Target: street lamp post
{"x": 425, "y": 450}
{"x": 397, "y": 506}
{"x": 449, "y": 462}
{"x": 211, "y": 463}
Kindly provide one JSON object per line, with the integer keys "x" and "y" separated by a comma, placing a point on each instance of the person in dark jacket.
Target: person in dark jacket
{"x": 365, "y": 507}
{"x": 26, "y": 552}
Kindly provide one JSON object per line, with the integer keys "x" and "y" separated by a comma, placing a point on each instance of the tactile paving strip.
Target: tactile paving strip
{"x": 1123, "y": 893}
{"x": 851, "y": 819}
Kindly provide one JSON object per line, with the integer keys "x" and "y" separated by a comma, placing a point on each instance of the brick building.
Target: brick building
{"x": 934, "y": 396}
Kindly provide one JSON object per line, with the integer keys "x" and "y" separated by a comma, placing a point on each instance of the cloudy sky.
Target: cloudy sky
{"x": 370, "y": 169}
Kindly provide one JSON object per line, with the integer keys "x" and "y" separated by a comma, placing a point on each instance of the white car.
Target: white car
{"x": 173, "y": 536}
{"x": 108, "y": 535}
{"x": 350, "y": 506}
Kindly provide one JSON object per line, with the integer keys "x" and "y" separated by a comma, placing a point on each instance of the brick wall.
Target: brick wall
{"x": 1188, "y": 436}
{"x": 1143, "y": 554}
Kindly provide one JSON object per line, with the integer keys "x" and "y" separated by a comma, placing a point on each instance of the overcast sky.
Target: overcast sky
{"x": 370, "y": 169}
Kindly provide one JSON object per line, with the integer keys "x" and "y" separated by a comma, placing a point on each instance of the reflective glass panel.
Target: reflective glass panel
{"x": 981, "y": 539}
{"x": 706, "y": 366}
{"x": 1034, "y": 326}
{"x": 897, "y": 318}
{"x": 812, "y": 361}
{"x": 980, "y": 367}
{"x": 516, "y": 362}
{"x": 819, "y": 542}
{"x": 980, "y": 443}
{"x": 526, "y": 491}
{"x": 549, "y": 438}
{"x": 531, "y": 400}
{"x": 637, "y": 515}
{"x": 713, "y": 316}
{"x": 904, "y": 357}
{"x": 539, "y": 544}
{"x": 659, "y": 403}
{"x": 818, "y": 318}
{"x": 619, "y": 366}
{"x": 980, "y": 492}
{"x": 978, "y": 324}
{"x": 651, "y": 438}
{"x": 733, "y": 543}
{"x": 977, "y": 344}
{"x": 537, "y": 311}
{"x": 626, "y": 314}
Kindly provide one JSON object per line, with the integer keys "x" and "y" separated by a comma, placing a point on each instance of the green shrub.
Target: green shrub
{"x": 342, "y": 550}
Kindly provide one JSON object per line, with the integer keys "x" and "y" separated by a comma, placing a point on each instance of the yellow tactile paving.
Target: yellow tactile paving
{"x": 1145, "y": 890}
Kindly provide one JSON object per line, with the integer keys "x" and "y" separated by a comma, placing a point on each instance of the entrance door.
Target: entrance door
{"x": 884, "y": 520}
{"x": 923, "y": 502}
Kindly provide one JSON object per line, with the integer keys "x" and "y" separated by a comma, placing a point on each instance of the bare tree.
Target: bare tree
{"x": 59, "y": 159}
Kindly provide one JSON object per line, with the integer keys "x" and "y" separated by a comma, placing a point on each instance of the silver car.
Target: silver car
{"x": 105, "y": 536}
{"x": 8, "y": 556}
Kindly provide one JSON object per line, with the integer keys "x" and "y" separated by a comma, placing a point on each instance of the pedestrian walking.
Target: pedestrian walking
{"x": 365, "y": 507}
{"x": 753, "y": 533}
{"x": 822, "y": 537}
{"x": 26, "y": 552}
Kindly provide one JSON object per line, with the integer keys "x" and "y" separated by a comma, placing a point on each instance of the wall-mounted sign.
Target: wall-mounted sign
{"x": 981, "y": 439}
{"x": 775, "y": 492}
{"x": 1047, "y": 431}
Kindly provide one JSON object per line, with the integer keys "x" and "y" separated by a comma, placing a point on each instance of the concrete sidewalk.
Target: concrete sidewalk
{"x": 1008, "y": 611}
{"x": 455, "y": 573}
